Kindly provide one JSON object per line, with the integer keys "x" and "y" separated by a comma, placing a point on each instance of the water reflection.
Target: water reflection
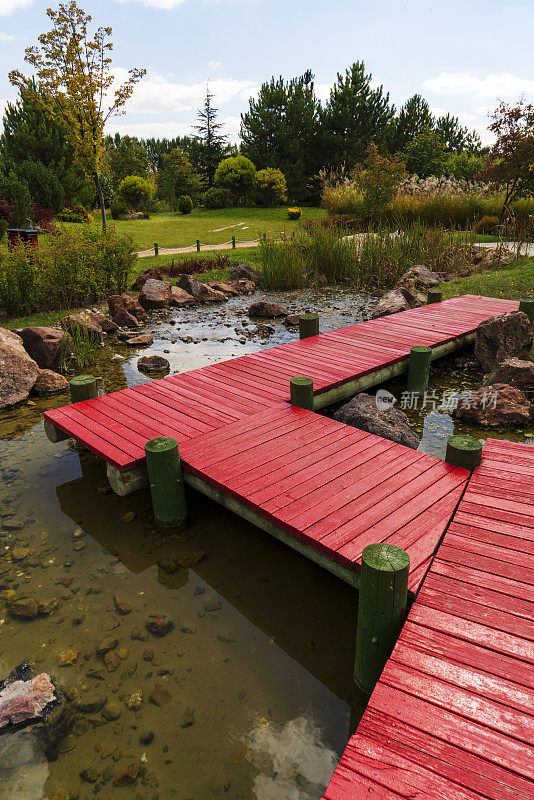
{"x": 437, "y": 428}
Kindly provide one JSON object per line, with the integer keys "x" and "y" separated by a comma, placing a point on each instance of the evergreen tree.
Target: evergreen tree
{"x": 213, "y": 144}
{"x": 281, "y": 130}
{"x": 355, "y": 115}
{"x": 414, "y": 115}
{"x": 455, "y": 137}
{"x": 176, "y": 178}
{"x": 125, "y": 155}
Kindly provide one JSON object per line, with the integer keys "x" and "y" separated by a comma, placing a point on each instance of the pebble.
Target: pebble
{"x": 111, "y": 711}
{"x": 91, "y": 702}
{"x": 67, "y": 657}
{"x": 18, "y": 553}
{"x": 148, "y": 655}
{"x": 126, "y": 775}
{"x": 147, "y": 737}
{"x": 134, "y": 701}
{"x": 111, "y": 660}
{"x": 159, "y": 624}
{"x": 130, "y": 516}
{"x": 89, "y": 775}
{"x": 25, "y": 607}
{"x": 121, "y": 605}
{"x": 106, "y": 644}
{"x": 160, "y": 696}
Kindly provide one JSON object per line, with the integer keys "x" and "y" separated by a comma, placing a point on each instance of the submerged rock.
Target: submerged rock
{"x": 18, "y": 372}
{"x": 495, "y": 406}
{"x": 153, "y": 364}
{"x": 83, "y": 324}
{"x": 263, "y": 308}
{"x": 159, "y": 624}
{"x": 143, "y": 340}
{"x": 391, "y": 423}
{"x": 22, "y": 700}
{"x": 24, "y": 607}
{"x": 49, "y": 382}
{"x": 512, "y": 331}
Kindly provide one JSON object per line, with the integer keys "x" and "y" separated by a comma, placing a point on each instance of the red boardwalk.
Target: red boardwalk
{"x": 189, "y": 405}
{"x": 452, "y": 715}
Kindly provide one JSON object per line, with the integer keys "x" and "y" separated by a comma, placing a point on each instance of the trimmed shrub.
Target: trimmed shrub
{"x": 216, "y": 198}
{"x": 76, "y": 214}
{"x": 136, "y": 192}
{"x": 118, "y": 209}
{"x": 271, "y": 186}
{"x": 185, "y": 204}
{"x": 237, "y": 175}
{"x": 294, "y": 213}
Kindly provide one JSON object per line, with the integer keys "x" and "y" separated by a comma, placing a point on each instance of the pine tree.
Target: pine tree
{"x": 355, "y": 115}
{"x": 414, "y": 116}
{"x": 213, "y": 144}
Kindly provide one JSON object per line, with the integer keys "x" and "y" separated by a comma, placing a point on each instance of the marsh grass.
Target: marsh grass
{"x": 79, "y": 351}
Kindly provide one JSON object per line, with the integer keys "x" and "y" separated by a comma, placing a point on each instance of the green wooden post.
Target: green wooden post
{"x": 166, "y": 481}
{"x": 381, "y": 610}
{"x": 434, "y": 296}
{"x": 156, "y": 249}
{"x": 233, "y": 242}
{"x": 419, "y": 369}
{"x": 301, "y": 391}
{"x": 527, "y": 306}
{"x": 83, "y": 387}
{"x": 198, "y": 245}
{"x": 308, "y": 325}
{"x": 463, "y": 451}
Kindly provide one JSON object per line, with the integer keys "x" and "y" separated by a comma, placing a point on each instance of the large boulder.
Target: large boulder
{"x": 44, "y": 344}
{"x": 225, "y": 288}
{"x": 242, "y": 285}
{"x": 123, "y": 319}
{"x": 155, "y": 294}
{"x": 512, "y": 331}
{"x": 419, "y": 278}
{"x": 200, "y": 291}
{"x": 105, "y": 322}
{"x": 146, "y": 275}
{"x": 83, "y": 324}
{"x": 50, "y": 382}
{"x": 495, "y": 406}
{"x": 245, "y": 271}
{"x": 18, "y": 372}
{"x": 512, "y": 371}
{"x": 396, "y": 300}
{"x": 181, "y": 298}
{"x": 262, "y": 308}
{"x": 118, "y": 301}
{"x": 391, "y": 423}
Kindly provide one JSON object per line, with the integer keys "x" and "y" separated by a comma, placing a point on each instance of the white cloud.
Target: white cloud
{"x": 214, "y": 64}
{"x": 503, "y": 85}
{"x": 6, "y": 37}
{"x": 8, "y": 6}
{"x": 169, "y": 130}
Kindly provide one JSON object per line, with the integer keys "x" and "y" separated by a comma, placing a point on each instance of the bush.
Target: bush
{"x": 118, "y": 209}
{"x": 216, "y": 198}
{"x": 378, "y": 181}
{"x": 294, "y": 213}
{"x": 236, "y": 174}
{"x": 43, "y": 184}
{"x": 194, "y": 266}
{"x": 271, "y": 186}
{"x": 16, "y": 195}
{"x": 72, "y": 268}
{"x": 185, "y": 204}
{"x": 136, "y": 192}
{"x": 76, "y": 214}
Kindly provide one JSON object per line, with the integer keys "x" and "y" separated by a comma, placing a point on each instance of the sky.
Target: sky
{"x": 461, "y": 56}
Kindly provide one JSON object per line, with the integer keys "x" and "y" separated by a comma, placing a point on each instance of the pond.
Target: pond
{"x": 250, "y": 696}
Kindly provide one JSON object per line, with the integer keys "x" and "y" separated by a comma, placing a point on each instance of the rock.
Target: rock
{"x": 146, "y": 275}
{"x": 147, "y": 737}
{"x": 121, "y": 605}
{"x": 117, "y": 301}
{"x": 160, "y": 696}
{"x": 111, "y": 660}
{"x": 292, "y": 320}
{"x": 89, "y": 775}
{"x": 264, "y": 330}
{"x": 105, "y": 645}
{"x": 18, "y": 372}
{"x": 513, "y": 372}
{"x": 396, "y": 300}
{"x": 181, "y": 298}
{"x": 242, "y": 285}
{"x": 130, "y": 516}
{"x": 159, "y": 624}
{"x": 188, "y": 718}
{"x": 155, "y": 294}
{"x": 148, "y": 655}
{"x": 126, "y": 775}
{"x": 495, "y": 406}
{"x": 201, "y": 292}
{"x": 23, "y": 700}
{"x": 245, "y": 271}
{"x": 47, "y": 607}
{"x": 19, "y": 553}
{"x": 107, "y": 324}
{"x": 391, "y": 423}
{"x": 153, "y": 364}
{"x": 263, "y": 308}
{"x": 225, "y": 288}
{"x": 111, "y": 711}
{"x": 134, "y": 701}
{"x": 143, "y": 340}
{"x": 49, "y": 382}
{"x": 23, "y": 607}
{"x": 83, "y": 324}
{"x": 512, "y": 331}
{"x": 419, "y": 277}
{"x": 124, "y": 319}
{"x": 91, "y": 702}
{"x": 67, "y": 657}
{"x": 44, "y": 344}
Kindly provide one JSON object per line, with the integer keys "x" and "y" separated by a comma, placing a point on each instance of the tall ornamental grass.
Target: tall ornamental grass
{"x": 67, "y": 269}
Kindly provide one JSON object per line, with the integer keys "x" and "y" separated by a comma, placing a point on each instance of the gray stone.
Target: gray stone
{"x": 18, "y": 372}
{"x": 513, "y": 372}
{"x": 391, "y": 423}
{"x": 245, "y": 271}
{"x": 50, "y": 382}
{"x": 153, "y": 364}
{"x": 200, "y": 291}
{"x": 419, "y": 277}
{"x": 83, "y": 324}
{"x": 512, "y": 331}
{"x": 394, "y": 301}
{"x": 263, "y": 308}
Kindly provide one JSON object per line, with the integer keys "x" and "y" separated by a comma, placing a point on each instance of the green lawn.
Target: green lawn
{"x": 513, "y": 283}
{"x": 179, "y": 230}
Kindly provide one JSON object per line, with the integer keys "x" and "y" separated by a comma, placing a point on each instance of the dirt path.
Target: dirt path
{"x": 171, "y": 251}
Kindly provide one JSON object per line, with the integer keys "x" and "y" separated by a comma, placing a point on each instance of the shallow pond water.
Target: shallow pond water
{"x": 250, "y": 696}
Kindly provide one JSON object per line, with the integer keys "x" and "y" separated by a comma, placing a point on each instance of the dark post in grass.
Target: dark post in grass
{"x": 308, "y": 325}
{"x": 198, "y": 245}
{"x": 419, "y": 369}
{"x": 166, "y": 481}
{"x": 301, "y": 392}
{"x": 527, "y": 307}
{"x": 434, "y": 296}
{"x": 156, "y": 249}
{"x": 233, "y": 242}
{"x": 83, "y": 387}
{"x": 381, "y": 610}
{"x": 463, "y": 451}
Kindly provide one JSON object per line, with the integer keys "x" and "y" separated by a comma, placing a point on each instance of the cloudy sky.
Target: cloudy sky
{"x": 462, "y": 55}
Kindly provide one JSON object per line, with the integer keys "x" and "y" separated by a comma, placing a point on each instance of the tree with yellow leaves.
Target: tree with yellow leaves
{"x": 72, "y": 71}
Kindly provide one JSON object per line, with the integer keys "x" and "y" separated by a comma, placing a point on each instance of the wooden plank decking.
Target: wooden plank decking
{"x": 452, "y": 717}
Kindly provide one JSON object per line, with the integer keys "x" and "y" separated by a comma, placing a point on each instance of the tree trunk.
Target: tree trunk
{"x": 101, "y": 201}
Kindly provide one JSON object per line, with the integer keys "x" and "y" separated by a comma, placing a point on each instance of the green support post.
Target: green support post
{"x": 381, "y": 610}
{"x": 166, "y": 481}
{"x": 198, "y": 245}
{"x": 83, "y": 387}
{"x": 434, "y": 296}
{"x": 419, "y": 369}
{"x": 527, "y": 307}
{"x": 463, "y": 451}
{"x": 301, "y": 391}
{"x": 156, "y": 249}
{"x": 233, "y": 242}
{"x": 308, "y": 325}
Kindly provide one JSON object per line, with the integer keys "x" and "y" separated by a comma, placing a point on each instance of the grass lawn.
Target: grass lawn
{"x": 182, "y": 230}
{"x": 515, "y": 282}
